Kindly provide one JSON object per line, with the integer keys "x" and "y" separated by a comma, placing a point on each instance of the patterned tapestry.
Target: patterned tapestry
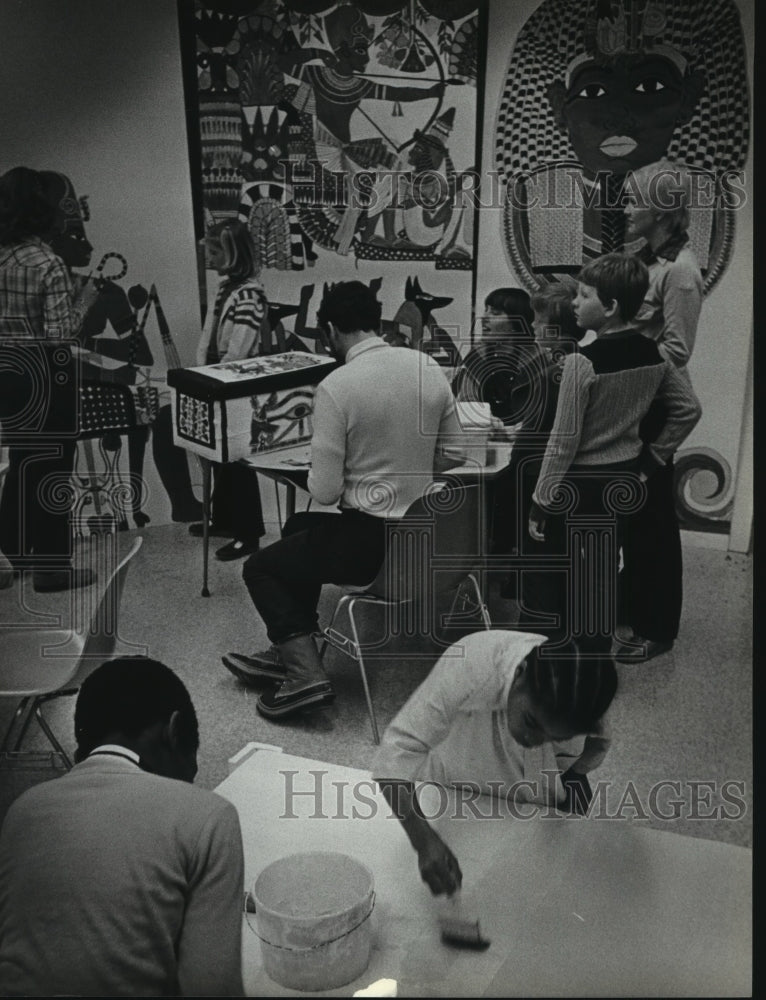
{"x": 344, "y": 136}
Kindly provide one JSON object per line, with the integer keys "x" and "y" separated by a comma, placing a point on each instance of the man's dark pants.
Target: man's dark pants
{"x": 285, "y": 579}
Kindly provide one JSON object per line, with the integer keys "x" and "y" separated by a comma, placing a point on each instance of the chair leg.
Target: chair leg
{"x": 360, "y": 660}
{"x": 17, "y": 715}
{"x": 24, "y": 725}
{"x": 326, "y": 632}
{"x": 279, "y": 505}
{"x": 51, "y": 737}
{"x": 480, "y": 601}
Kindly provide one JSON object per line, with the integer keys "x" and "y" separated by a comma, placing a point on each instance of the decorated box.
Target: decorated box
{"x": 237, "y": 409}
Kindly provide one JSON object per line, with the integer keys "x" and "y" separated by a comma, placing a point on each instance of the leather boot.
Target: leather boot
{"x": 305, "y": 685}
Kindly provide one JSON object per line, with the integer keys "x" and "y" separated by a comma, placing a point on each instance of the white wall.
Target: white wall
{"x": 93, "y": 88}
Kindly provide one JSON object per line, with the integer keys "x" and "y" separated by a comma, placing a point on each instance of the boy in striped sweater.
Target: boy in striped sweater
{"x": 595, "y": 463}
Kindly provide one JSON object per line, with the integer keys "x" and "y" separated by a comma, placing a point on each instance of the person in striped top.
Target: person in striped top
{"x": 232, "y": 331}
{"x": 595, "y": 463}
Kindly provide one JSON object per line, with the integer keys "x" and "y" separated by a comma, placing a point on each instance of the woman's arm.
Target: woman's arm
{"x": 682, "y": 413}
{"x": 472, "y": 673}
{"x": 438, "y": 866}
{"x": 681, "y": 304}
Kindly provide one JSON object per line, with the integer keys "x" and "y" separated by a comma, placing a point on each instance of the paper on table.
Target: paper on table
{"x": 380, "y": 988}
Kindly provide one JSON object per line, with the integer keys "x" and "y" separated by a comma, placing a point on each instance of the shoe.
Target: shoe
{"x": 47, "y": 581}
{"x": 265, "y": 667}
{"x": 642, "y": 650}
{"x": 236, "y": 550}
{"x": 214, "y": 531}
{"x": 274, "y": 705}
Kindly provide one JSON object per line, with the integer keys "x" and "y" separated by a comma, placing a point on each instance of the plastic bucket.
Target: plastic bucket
{"x": 312, "y": 915}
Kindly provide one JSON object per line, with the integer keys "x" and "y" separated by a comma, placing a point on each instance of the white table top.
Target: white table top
{"x": 573, "y": 907}
{"x": 298, "y": 459}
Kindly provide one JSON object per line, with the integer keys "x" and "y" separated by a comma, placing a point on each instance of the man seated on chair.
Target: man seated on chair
{"x": 120, "y": 878}
{"x": 382, "y": 422}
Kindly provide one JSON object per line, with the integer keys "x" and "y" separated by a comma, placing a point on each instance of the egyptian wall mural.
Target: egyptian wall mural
{"x": 344, "y": 136}
{"x": 586, "y": 92}
{"x": 595, "y": 90}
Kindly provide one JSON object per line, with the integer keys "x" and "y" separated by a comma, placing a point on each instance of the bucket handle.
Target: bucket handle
{"x": 313, "y": 947}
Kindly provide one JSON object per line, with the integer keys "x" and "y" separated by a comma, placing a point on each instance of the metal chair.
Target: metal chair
{"x": 41, "y": 664}
{"x": 431, "y": 553}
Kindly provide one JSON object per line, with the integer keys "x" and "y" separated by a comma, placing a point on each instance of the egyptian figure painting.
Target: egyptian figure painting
{"x": 346, "y": 127}
{"x": 595, "y": 90}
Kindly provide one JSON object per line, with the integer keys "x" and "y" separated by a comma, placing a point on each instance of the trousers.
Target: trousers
{"x": 285, "y": 579}
{"x": 651, "y": 581}
{"x": 581, "y": 595}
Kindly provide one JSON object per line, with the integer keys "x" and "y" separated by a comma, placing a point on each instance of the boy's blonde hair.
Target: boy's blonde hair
{"x": 665, "y": 187}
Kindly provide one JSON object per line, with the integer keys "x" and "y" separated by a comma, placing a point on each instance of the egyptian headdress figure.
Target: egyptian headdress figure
{"x": 596, "y": 89}
{"x": 272, "y": 136}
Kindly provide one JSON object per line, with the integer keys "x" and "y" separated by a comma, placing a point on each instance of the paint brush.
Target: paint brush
{"x": 458, "y": 929}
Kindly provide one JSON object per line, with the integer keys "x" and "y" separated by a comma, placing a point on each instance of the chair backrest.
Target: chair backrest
{"x": 101, "y": 637}
{"x": 432, "y": 548}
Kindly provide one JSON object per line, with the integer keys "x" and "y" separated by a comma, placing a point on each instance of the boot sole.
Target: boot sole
{"x": 310, "y": 698}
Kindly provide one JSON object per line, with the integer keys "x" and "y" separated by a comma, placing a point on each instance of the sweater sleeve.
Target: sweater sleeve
{"x": 210, "y": 943}
{"x": 328, "y": 449}
{"x": 681, "y": 305}
{"x": 243, "y": 321}
{"x": 425, "y": 719}
{"x": 564, "y": 441}
{"x": 682, "y": 413}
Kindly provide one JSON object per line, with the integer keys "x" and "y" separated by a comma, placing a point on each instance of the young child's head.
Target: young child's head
{"x": 558, "y": 698}
{"x": 230, "y": 250}
{"x": 507, "y": 314}
{"x": 610, "y": 290}
{"x": 554, "y": 315}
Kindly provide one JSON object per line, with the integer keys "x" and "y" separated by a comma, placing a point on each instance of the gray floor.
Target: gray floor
{"x": 683, "y": 718}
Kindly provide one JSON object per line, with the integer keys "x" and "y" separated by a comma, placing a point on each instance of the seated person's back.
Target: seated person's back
{"x": 116, "y": 881}
{"x": 391, "y": 406}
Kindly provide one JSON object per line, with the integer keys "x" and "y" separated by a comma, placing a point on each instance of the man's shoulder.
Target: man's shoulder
{"x": 382, "y": 369}
{"x": 147, "y": 793}
{"x": 30, "y": 253}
